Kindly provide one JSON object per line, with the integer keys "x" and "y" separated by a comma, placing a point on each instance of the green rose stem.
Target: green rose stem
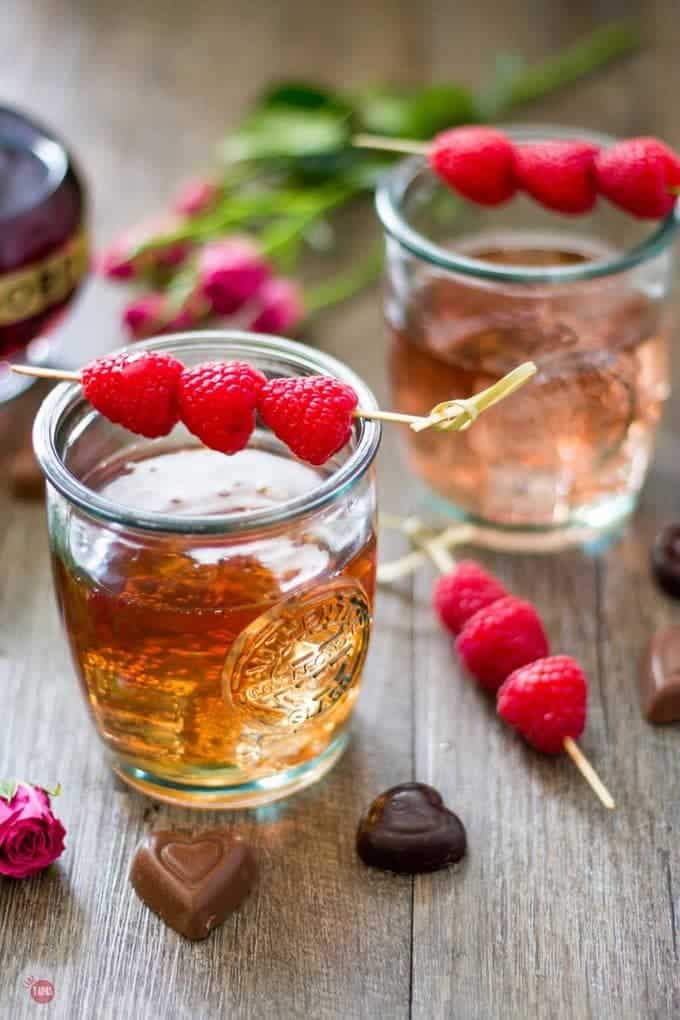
{"x": 583, "y": 58}
{"x": 436, "y": 549}
{"x": 344, "y": 285}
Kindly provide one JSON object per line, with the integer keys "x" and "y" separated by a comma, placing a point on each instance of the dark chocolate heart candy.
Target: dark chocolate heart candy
{"x": 408, "y": 829}
{"x": 666, "y": 559}
{"x": 193, "y": 882}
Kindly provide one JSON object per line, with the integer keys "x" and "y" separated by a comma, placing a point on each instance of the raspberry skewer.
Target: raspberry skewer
{"x": 502, "y": 642}
{"x": 149, "y": 392}
{"x": 639, "y": 175}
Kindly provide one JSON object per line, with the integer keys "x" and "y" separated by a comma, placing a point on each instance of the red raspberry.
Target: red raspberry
{"x": 499, "y": 639}
{"x": 637, "y": 174}
{"x": 460, "y": 594}
{"x": 217, "y": 402}
{"x": 138, "y": 391}
{"x": 312, "y": 415}
{"x": 546, "y": 702}
{"x": 478, "y": 162}
{"x": 558, "y": 174}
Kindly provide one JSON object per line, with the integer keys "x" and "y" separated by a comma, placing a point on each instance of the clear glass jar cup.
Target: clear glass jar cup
{"x": 218, "y": 608}
{"x": 472, "y": 292}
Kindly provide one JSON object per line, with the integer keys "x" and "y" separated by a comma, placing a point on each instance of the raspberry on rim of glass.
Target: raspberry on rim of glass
{"x": 640, "y": 175}
{"x": 148, "y": 392}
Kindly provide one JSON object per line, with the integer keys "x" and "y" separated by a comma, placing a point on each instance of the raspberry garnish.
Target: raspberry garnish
{"x": 217, "y": 402}
{"x": 499, "y": 639}
{"x": 460, "y": 594}
{"x": 559, "y": 174}
{"x": 546, "y": 701}
{"x": 637, "y": 174}
{"x": 312, "y": 415}
{"x": 137, "y": 391}
{"x": 479, "y": 162}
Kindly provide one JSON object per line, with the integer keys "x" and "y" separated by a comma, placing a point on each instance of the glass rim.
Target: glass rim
{"x": 53, "y": 155}
{"x": 392, "y": 189}
{"x": 63, "y": 401}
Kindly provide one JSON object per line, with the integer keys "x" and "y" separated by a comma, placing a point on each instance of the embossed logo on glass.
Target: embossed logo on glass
{"x": 297, "y": 661}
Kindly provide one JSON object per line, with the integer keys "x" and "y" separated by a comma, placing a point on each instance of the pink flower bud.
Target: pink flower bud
{"x": 230, "y": 273}
{"x": 120, "y": 260}
{"x": 172, "y": 256}
{"x": 145, "y": 315}
{"x": 115, "y": 262}
{"x": 282, "y": 307}
{"x": 196, "y": 196}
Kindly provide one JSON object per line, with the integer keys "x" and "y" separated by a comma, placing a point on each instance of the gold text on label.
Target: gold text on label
{"x": 297, "y": 661}
{"x": 35, "y": 288}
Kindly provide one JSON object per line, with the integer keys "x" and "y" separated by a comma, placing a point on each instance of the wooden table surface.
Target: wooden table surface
{"x": 561, "y": 910}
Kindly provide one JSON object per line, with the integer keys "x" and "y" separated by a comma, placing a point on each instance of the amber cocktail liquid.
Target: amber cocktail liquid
{"x": 220, "y": 661}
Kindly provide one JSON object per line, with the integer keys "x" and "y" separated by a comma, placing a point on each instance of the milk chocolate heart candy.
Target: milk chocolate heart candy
{"x": 660, "y": 677}
{"x": 408, "y": 829}
{"x": 193, "y": 881}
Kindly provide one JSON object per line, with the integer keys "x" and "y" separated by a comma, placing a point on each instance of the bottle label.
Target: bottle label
{"x": 299, "y": 660}
{"x": 37, "y": 287}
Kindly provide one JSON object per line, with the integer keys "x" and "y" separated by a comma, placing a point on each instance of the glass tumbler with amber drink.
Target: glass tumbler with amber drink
{"x": 474, "y": 290}
{"x": 218, "y": 608}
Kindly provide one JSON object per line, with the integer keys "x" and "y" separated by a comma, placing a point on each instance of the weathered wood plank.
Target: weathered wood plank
{"x": 561, "y": 909}
{"x": 144, "y": 91}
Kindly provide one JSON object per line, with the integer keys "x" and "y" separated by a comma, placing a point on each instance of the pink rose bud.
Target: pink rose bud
{"x": 230, "y": 273}
{"x": 116, "y": 262}
{"x": 196, "y": 196}
{"x": 172, "y": 256}
{"x": 120, "y": 260}
{"x": 194, "y": 310}
{"x": 281, "y": 307}
{"x": 30, "y": 836}
{"x": 145, "y": 315}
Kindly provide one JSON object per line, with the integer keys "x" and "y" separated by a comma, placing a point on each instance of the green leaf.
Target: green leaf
{"x": 8, "y": 787}
{"x": 304, "y": 96}
{"x": 440, "y": 106}
{"x": 368, "y": 169}
{"x": 387, "y": 111}
{"x": 384, "y": 111}
{"x": 287, "y": 132}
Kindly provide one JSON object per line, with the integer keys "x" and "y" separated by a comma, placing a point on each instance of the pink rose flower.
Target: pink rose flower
{"x": 281, "y": 307}
{"x": 145, "y": 315}
{"x": 196, "y": 196}
{"x": 230, "y": 273}
{"x": 30, "y": 836}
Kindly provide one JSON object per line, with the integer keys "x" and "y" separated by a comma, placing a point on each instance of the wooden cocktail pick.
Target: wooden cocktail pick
{"x": 449, "y": 416}
{"x": 436, "y": 549}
